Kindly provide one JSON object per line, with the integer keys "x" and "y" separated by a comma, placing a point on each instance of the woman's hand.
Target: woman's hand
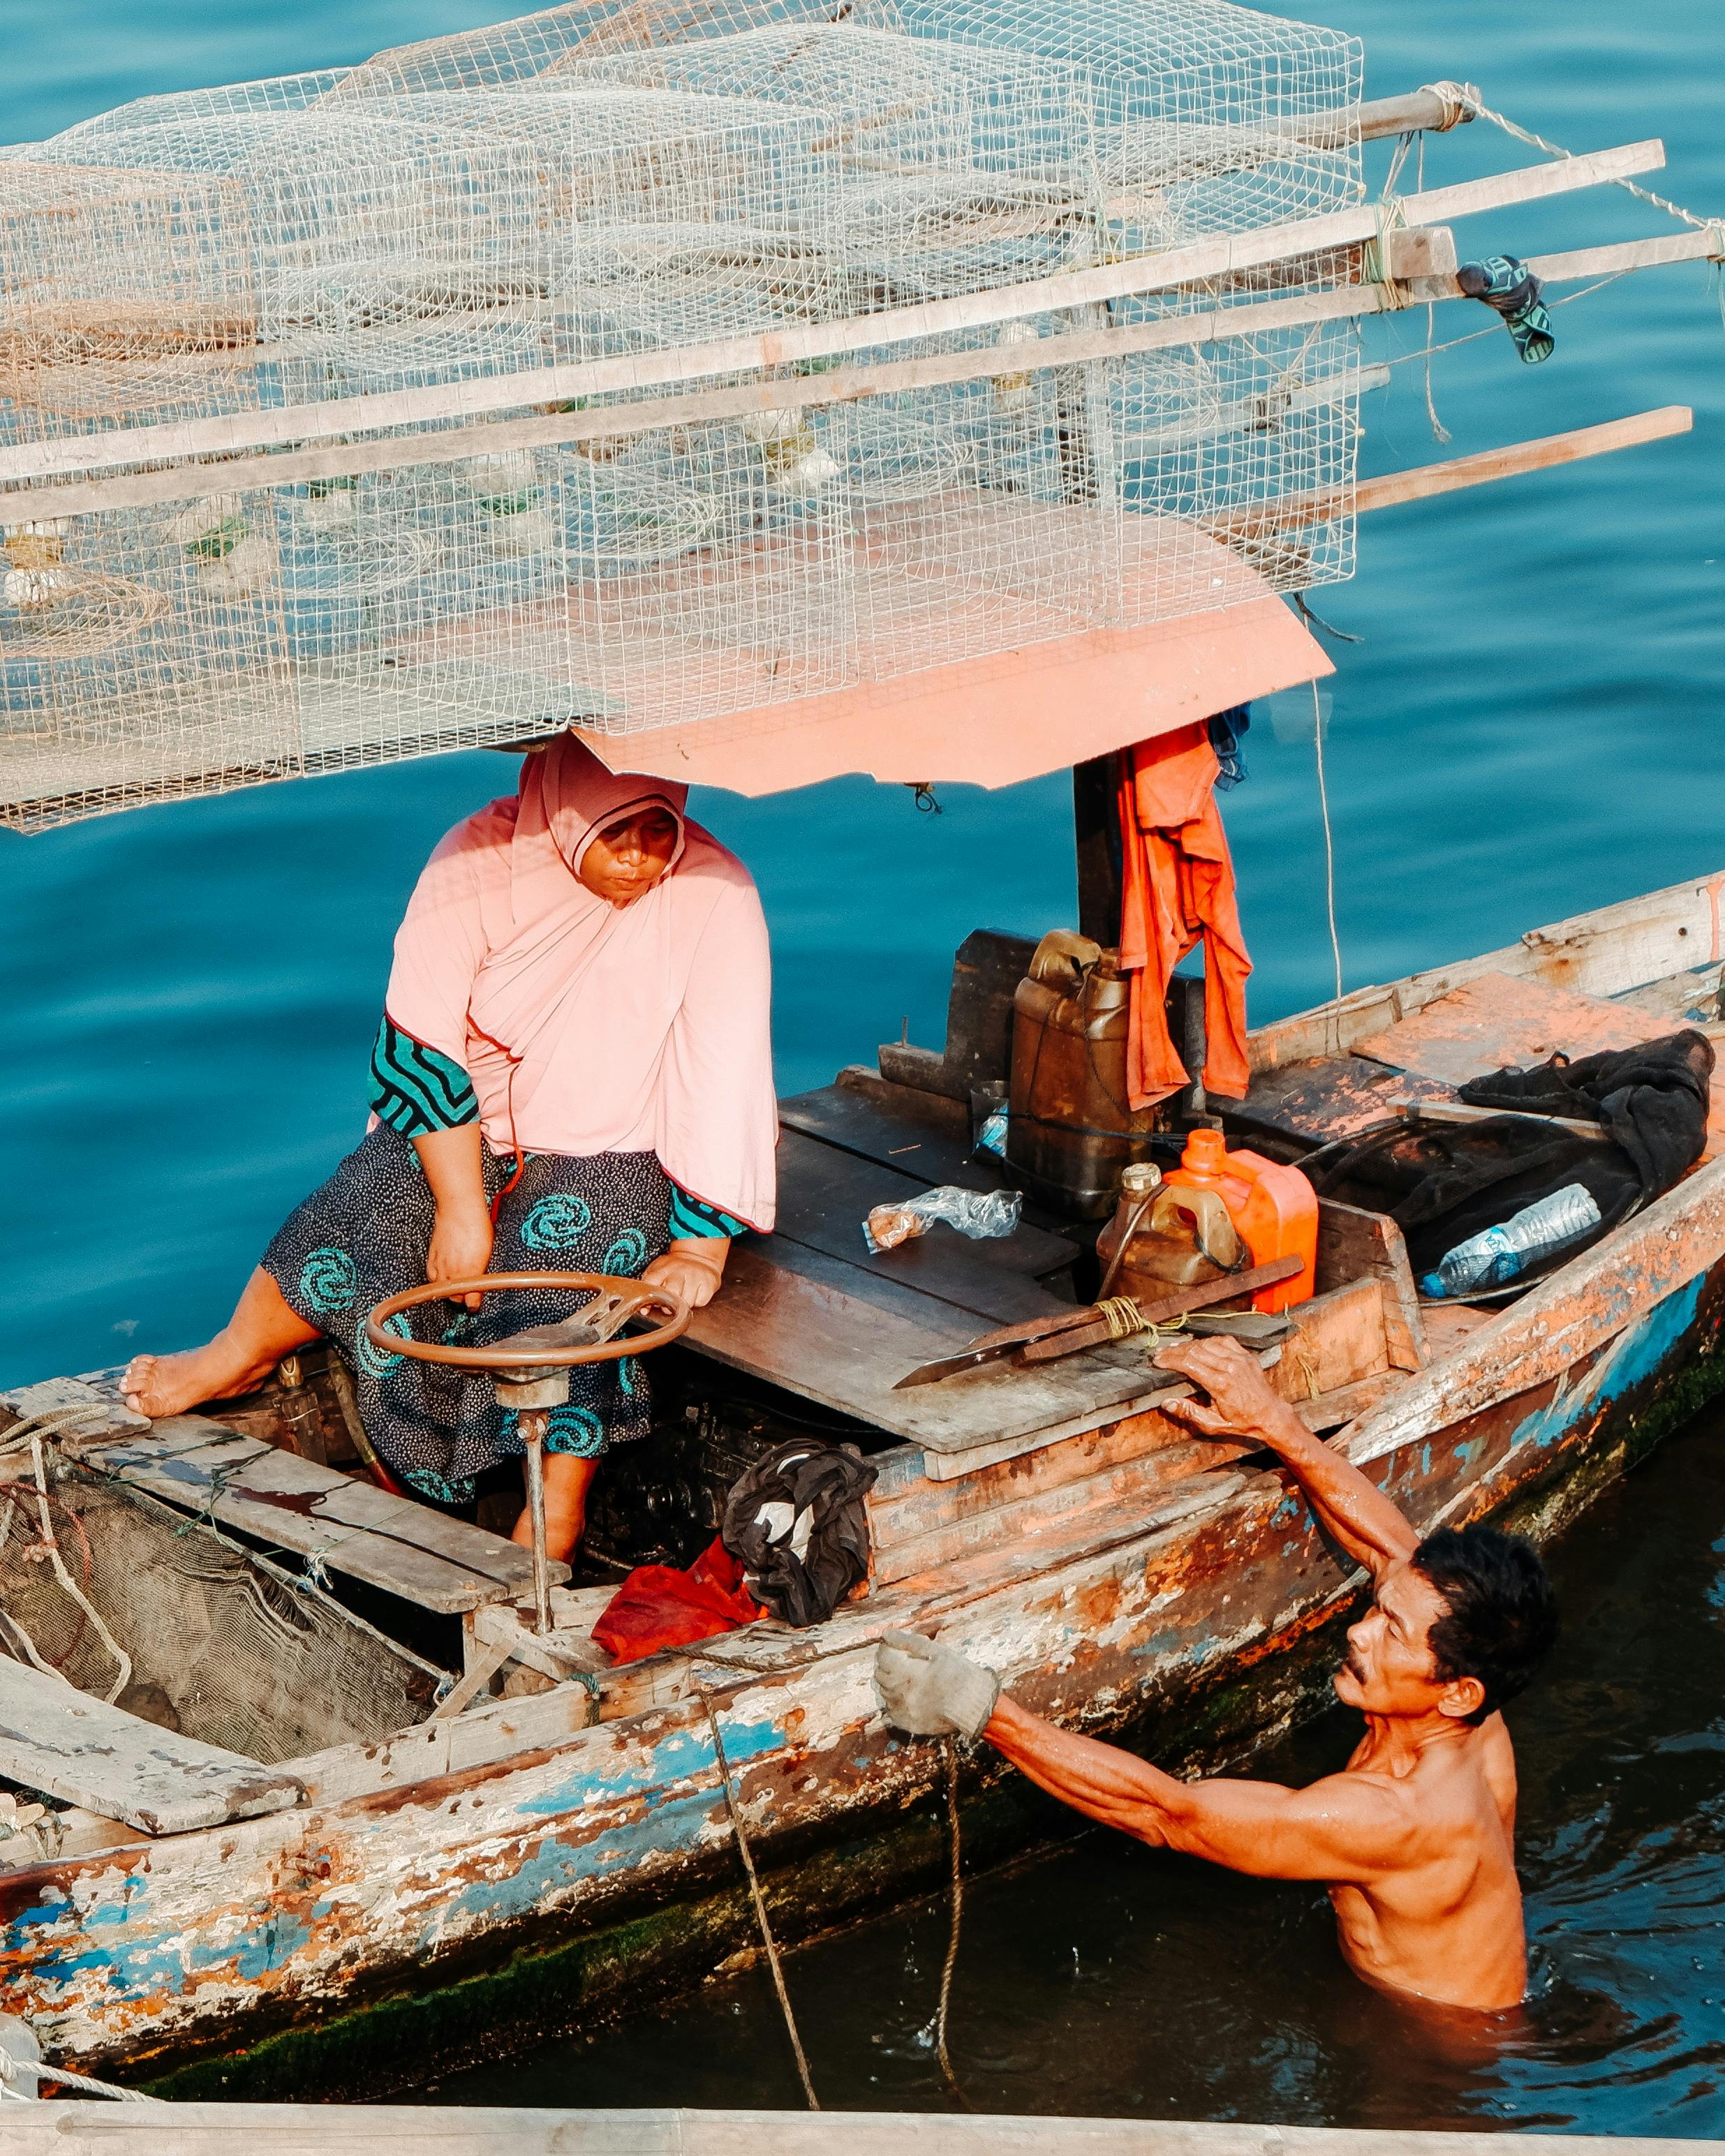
{"x": 461, "y": 1241}
{"x": 692, "y": 1268}
{"x": 461, "y": 1234}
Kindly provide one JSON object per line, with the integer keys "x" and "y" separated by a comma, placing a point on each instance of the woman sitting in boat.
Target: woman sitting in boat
{"x": 573, "y": 1074}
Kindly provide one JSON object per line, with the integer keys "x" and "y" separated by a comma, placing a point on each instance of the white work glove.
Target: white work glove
{"x": 931, "y": 1690}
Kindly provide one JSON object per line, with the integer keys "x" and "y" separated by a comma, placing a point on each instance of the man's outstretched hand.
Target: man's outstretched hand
{"x": 1241, "y": 1403}
{"x": 931, "y": 1690}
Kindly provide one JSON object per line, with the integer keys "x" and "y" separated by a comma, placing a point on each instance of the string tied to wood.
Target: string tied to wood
{"x": 1460, "y": 101}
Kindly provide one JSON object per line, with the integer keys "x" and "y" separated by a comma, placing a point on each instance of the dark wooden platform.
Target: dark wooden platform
{"x": 811, "y": 1309}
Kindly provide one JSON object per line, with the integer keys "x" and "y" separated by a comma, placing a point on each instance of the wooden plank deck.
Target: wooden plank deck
{"x": 810, "y": 1309}
{"x": 1496, "y": 1020}
{"x": 292, "y": 1504}
{"x": 837, "y": 1335}
{"x": 94, "y": 2129}
{"x": 56, "y": 1739}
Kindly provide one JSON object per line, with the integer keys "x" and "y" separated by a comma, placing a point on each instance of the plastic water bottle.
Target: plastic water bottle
{"x": 1499, "y": 1254}
{"x": 992, "y": 1137}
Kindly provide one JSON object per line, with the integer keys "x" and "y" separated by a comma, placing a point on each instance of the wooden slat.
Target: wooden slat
{"x": 55, "y": 1738}
{"x": 1453, "y": 474}
{"x": 1355, "y": 1244}
{"x": 838, "y": 1116}
{"x": 297, "y": 1505}
{"x": 35, "y": 497}
{"x": 837, "y": 1335}
{"x": 1222, "y": 255}
{"x": 95, "y": 2128}
{"x": 824, "y": 1194}
{"x": 1535, "y": 183}
{"x": 88, "y": 1412}
{"x": 1338, "y": 1339}
{"x": 1219, "y": 256}
{"x": 1335, "y": 1410}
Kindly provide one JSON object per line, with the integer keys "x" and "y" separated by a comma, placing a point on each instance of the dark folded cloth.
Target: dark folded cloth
{"x": 797, "y": 1523}
{"x": 1443, "y": 1184}
{"x": 1653, "y": 1099}
{"x": 1506, "y": 285}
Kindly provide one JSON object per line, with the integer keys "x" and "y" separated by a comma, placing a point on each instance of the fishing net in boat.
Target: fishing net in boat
{"x": 224, "y": 1645}
{"x": 354, "y": 416}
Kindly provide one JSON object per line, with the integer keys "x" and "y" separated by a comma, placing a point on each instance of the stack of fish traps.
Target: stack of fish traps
{"x": 355, "y": 414}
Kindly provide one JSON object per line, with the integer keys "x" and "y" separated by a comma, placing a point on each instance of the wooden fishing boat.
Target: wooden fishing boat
{"x": 893, "y": 460}
{"x": 289, "y": 1869}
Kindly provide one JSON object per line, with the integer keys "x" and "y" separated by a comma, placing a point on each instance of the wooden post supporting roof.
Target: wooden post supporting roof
{"x": 1096, "y": 828}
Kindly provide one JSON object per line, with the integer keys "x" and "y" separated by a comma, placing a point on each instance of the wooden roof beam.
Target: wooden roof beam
{"x": 1220, "y": 256}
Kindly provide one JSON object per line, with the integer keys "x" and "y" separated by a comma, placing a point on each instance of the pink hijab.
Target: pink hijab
{"x": 586, "y": 1028}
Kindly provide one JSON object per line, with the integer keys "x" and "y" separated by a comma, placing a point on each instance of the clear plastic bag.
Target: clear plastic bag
{"x": 978, "y": 1213}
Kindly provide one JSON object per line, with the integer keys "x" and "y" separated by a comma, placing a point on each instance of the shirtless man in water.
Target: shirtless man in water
{"x": 1414, "y": 1838}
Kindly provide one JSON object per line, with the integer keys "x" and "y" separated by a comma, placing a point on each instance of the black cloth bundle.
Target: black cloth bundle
{"x": 797, "y": 1524}
{"x": 1442, "y": 1183}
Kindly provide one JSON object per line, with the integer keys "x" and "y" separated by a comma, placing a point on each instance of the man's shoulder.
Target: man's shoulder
{"x": 1454, "y": 1785}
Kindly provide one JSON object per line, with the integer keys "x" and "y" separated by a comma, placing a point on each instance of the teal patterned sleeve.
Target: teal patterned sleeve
{"x": 415, "y": 1089}
{"x": 691, "y": 1216}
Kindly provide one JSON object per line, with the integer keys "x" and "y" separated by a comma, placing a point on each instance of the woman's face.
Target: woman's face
{"x": 629, "y": 856}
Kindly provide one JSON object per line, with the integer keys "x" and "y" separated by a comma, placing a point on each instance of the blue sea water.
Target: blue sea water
{"x": 1528, "y": 727}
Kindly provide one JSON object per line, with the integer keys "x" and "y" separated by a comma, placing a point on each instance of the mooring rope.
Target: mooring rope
{"x": 956, "y": 1892}
{"x": 1323, "y": 803}
{"x": 11, "y": 2069}
{"x": 1463, "y": 94}
{"x": 767, "y": 1937}
{"x": 50, "y": 1546}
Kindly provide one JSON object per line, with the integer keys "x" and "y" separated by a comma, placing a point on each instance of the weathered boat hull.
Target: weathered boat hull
{"x": 365, "y": 1942}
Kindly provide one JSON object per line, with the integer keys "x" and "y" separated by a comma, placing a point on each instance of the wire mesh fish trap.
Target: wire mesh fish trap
{"x": 371, "y": 413}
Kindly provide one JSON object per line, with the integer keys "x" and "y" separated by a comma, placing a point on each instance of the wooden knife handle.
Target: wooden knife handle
{"x": 1096, "y": 1334}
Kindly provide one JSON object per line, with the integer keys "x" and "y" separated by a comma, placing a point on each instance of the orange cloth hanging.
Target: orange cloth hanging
{"x": 1177, "y": 885}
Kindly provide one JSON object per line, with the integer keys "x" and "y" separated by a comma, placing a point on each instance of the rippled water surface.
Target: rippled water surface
{"x": 1530, "y": 727}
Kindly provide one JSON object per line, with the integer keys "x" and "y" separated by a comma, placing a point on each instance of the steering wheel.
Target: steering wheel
{"x": 531, "y": 1369}
{"x": 589, "y": 1335}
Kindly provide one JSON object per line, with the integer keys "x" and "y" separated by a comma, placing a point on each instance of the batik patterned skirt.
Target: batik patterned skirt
{"x": 365, "y": 1235}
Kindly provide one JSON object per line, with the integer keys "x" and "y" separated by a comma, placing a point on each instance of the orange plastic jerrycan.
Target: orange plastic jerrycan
{"x": 1273, "y": 1207}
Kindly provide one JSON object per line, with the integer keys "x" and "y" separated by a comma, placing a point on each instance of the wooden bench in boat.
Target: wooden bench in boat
{"x": 76, "y": 1748}
{"x": 319, "y": 1514}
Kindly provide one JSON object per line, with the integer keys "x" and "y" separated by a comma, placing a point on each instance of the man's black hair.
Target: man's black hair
{"x": 1502, "y": 1617}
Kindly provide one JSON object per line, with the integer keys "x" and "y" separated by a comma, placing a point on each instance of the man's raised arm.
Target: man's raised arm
{"x": 1242, "y": 1405}
{"x": 1344, "y": 1828}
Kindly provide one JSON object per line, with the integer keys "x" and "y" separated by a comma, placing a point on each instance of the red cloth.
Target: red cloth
{"x": 1177, "y": 886}
{"x": 657, "y": 1606}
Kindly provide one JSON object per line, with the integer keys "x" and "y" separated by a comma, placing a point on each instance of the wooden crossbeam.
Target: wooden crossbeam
{"x": 1222, "y": 255}
{"x": 1422, "y": 482}
{"x": 837, "y": 385}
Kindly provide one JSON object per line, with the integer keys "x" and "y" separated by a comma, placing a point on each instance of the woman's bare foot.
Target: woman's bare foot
{"x": 156, "y": 1385}
{"x": 261, "y": 1330}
